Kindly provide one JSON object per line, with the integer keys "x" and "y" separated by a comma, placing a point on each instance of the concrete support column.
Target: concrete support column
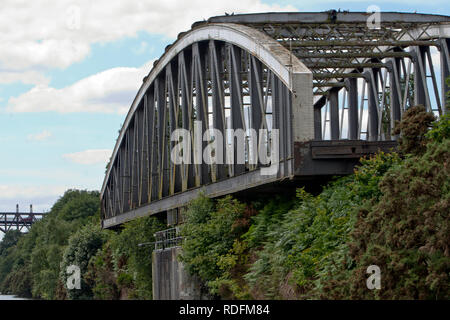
{"x": 170, "y": 280}
{"x": 302, "y": 106}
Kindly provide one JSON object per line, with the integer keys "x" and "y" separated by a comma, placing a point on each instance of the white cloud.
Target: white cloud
{"x": 26, "y": 77}
{"x": 8, "y": 192}
{"x": 40, "y": 136}
{"x": 41, "y": 197}
{"x": 143, "y": 48}
{"x": 88, "y": 157}
{"x": 110, "y": 91}
{"x": 44, "y": 33}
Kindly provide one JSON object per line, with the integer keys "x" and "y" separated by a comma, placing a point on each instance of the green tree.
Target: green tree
{"x": 83, "y": 245}
{"x": 133, "y": 263}
{"x": 210, "y": 231}
{"x": 31, "y": 267}
{"x": 10, "y": 239}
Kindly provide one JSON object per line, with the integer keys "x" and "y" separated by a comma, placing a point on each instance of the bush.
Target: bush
{"x": 210, "y": 231}
{"x": 134, "y": 262}
{"x": 38, "y": 254}
{"x": 101, "y": 276}
{"x": 416, "y": 122}
{"x": 407, "y": 233}
{"x": 83, "y": 245}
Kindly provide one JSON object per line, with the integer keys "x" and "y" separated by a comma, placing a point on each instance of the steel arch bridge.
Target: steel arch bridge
{"x": 323, "y": 89}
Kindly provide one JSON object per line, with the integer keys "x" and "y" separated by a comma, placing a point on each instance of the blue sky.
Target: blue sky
{"x": 70, "y": 70}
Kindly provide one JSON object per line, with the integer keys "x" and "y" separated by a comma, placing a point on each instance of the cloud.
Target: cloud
{"x": 143, "y": 48}
{"x": 45, "y": 134}
{"x": 51, "y": 34}
{"x": 8, "y": 192}
{"x": 26, "y": 77}
{"x": 88, "y": 157}
{"x": 41, "y": 197}
{"x": 110, "y": 91}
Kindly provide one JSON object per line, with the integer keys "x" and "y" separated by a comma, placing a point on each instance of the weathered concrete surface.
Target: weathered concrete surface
{"x": 170, "y": 279}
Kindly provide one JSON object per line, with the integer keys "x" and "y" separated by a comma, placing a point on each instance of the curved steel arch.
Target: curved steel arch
{"x": 213, "y": 61}
{"x": 306, "y": 64}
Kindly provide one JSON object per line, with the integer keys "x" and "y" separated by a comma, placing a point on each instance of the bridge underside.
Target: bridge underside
{"x": 315, "y": 162}
{"x": 315, "y": 91}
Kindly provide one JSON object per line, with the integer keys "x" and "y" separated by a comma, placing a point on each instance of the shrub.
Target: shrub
{"x": 83, "y": 245}
{"x": 132, "y": 261}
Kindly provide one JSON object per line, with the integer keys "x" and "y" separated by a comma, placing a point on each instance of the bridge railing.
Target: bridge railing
{"x": 167, "y": 239}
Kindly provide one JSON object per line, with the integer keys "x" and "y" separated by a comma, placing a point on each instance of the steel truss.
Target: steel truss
{"x": 393, "y": 62}
{"x": 218, "y": 83}
{"x": 18, "y": 220}
{"x": 313, "y": 76}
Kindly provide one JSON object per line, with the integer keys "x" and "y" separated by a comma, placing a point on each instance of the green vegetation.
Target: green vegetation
{"x": 112, "y": 265}
{"x": 392, "y": 212}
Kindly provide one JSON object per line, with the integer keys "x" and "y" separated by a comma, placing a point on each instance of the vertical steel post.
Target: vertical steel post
{"x": 395, "y": 91}
{"x": 318, "y": 118}
{"x": 255, "y": 80}
{"x": 237, "y": 119}
{"x": 352, "y": 85}
{"x": 218, "y": 100}
{"x": 419, "y": 78}
{"x": 445, "y": 72}
{"x": 334, "y": 113}
{"x": 372, "y": 104}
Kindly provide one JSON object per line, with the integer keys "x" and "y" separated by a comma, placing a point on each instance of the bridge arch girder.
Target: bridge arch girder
{"x": 334, "y": 99}
{"x": 228, "y": 76}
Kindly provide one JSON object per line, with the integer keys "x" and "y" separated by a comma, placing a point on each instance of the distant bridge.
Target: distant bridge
{"x": 331, "y": 83}
{"x": 18, "y": 220}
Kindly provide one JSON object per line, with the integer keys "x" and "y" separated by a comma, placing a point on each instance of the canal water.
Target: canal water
{"x": 9, "y": 297}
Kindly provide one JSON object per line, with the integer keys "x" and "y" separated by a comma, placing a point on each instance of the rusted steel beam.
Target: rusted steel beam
{"x": 350, "y": 43}
{"x": 332, "y": 75}
{"x": 329, "y": 85}
{"x": 327, "y": 55}
{"x": 356, "y": 65}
